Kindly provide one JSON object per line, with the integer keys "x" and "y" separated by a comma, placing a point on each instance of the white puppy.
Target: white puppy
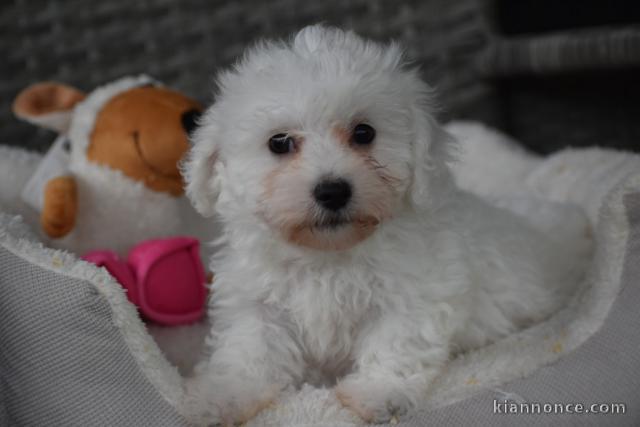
{"x": 349, "y": 256}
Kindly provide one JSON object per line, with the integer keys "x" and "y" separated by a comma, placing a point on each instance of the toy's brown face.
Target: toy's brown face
{"x": 143, "y": 132}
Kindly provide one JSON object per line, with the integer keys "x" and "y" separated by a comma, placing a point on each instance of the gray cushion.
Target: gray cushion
{"x": 63, "y": 361}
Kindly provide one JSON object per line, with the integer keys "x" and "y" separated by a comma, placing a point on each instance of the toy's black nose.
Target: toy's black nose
{"x": 332, "y": 194}
{"x": 189, "y": 120}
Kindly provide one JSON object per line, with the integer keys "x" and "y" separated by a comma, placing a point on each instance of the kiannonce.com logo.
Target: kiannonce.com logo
{"x": 511, "y": 407}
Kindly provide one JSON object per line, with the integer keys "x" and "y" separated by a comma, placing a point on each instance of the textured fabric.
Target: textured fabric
{"x": 601, "y": 48}
{"x": 63, "y": 362}
{"x": 457, "y": 44}
{"x": 182, "y": 43}
{"x": 603, "y": 370}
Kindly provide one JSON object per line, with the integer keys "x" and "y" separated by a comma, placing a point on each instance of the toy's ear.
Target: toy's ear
{"x": 432, "y": 151}
{"x": 48, "y": 105}
{"x": 201, "y": 167}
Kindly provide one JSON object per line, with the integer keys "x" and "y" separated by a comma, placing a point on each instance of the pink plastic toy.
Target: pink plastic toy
{"x": 164, "y": 278}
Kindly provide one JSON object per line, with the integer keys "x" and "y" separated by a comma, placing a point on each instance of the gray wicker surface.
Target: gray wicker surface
{"x": 183, "y": 43}
{"x": 508, "y": 82}
{"x": 562, "y": 52}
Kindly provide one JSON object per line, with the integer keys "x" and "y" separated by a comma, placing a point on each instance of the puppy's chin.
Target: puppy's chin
{"x": 331, "y": 235}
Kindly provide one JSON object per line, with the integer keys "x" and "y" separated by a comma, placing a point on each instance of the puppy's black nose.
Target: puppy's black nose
{"x": 332, "y": 194}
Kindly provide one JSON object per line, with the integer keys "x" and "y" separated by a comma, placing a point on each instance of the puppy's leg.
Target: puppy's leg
{"x": 253, "y": 359}
{"x": 395, "y": 363}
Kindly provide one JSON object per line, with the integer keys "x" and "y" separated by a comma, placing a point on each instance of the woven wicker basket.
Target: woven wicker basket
{"x": 183, "y": 43}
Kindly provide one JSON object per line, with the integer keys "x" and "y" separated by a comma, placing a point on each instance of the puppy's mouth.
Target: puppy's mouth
{"x": 332, "y": 232}
{"x": 331, "y": 223}
{"x": 335, "y": 223}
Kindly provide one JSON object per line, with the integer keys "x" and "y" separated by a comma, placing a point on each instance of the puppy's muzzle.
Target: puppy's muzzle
{"x": 332, "y": 194}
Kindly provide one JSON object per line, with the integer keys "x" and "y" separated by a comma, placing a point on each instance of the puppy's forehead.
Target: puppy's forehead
{"x": 316, "y": 81}
{"x": 303, "y": 93}
{"x": 315, "y": 55}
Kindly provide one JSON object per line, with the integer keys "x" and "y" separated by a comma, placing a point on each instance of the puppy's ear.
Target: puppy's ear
{"x": 199, "y": 168}
{"x": 432, "y": 150}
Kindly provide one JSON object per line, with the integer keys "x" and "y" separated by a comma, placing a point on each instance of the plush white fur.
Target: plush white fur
{"x": 420, "y": 270}
{"x": 582, "y": 176}
{"x": 116, "y": 212}
{"x": 490, "y": 163}
{"x": 16, "y": 168}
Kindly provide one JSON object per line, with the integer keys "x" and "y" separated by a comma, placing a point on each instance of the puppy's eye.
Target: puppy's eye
{"x": 363, "y": 134}
{"x": 281, "y": 144}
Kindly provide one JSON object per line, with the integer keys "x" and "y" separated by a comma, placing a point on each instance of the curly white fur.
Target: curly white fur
{"x": 418, "y": 270}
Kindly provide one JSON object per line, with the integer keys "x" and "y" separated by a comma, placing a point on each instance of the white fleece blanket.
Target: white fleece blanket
{"x": 491, "y": 165}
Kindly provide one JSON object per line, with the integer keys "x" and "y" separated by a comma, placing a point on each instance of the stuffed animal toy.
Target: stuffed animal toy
{"x": 112, "y": 180}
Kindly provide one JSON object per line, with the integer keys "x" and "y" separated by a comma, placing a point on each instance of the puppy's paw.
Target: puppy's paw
{"x": 226, "y": 401}
{"x": 375, "y": 400}
{"x": 239, "y": 410}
